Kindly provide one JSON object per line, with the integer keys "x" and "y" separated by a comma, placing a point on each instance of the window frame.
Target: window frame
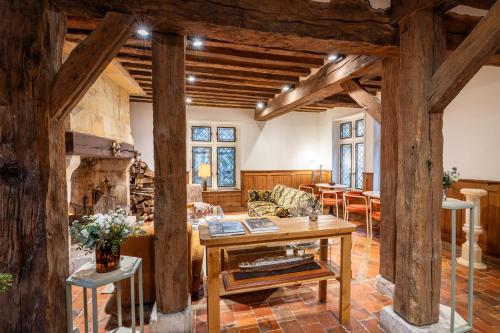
{"x": 214, "y": 144}
{"x": 353, "y": 140}
{"x": 226, "y": 127}
{"x": 200, "y": 126}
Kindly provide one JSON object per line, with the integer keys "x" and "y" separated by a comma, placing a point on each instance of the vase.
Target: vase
{"x": 313, "y": 217}
{"x": 445, "y": 190}
{"x": 106, "y": 260}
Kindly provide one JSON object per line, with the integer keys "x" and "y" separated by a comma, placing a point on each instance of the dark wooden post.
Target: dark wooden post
{"x": 389, "y": 168}
{"x": 169, "y": 121}
{"x": 420, "y": 167}
{"x": 33, "y": 208}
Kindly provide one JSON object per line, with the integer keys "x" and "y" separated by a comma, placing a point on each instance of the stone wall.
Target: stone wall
{"x": 104, "y": 111}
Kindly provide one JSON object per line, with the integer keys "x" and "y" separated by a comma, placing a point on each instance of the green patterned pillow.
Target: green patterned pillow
{"x": 258, "y": 195}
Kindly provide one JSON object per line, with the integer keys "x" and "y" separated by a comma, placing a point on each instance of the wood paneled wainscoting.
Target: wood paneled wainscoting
{"x": 489, "y": 241}
{"x": 267, "y": 179}
{"x": 229, "y": 200}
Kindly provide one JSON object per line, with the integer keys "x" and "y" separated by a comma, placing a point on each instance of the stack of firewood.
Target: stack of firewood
{"x": 142, "y": 191}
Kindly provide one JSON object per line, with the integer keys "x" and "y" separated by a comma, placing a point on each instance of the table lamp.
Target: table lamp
{"x": 204, "y": 173}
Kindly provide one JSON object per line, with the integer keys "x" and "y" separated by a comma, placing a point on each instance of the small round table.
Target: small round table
{"x": 333, "y": 187}
{"x": 87, "y": 277}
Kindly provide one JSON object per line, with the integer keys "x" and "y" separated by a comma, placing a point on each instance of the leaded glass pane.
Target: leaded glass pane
{"x": 360, "y": 127}
{"x": 360, "y": 164}
{"x": 201, "y": 133}
{"x": 201, "y": 155}
{"x": 345, "y": 164}
{"x": 226, "y": 134}
{"x": 226, "y": 166}
{"x": 345, "y": 130}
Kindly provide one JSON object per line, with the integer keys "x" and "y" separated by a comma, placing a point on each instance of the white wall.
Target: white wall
{"x": 471, "y": 128}
{"x": 287, "y": 143}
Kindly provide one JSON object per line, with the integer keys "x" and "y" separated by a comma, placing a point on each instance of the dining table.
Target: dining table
{"x": 372, "y": 194}
{"x": 332, "y": 186}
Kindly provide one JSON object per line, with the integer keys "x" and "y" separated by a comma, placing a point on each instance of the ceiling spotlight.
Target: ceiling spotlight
{"x": 260, "y": 105}
{"x": 287, "y": 87}
{"x": 143, "y": 32}
{"x": 197, "y": 43}
{"x": 335, "y": 57}
{"x": 191, "y": 78}
{"x": 189, "y": 100}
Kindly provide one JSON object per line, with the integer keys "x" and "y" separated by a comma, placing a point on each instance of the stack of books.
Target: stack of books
{"x": 227, "y": 228}
{"x": 260, "y": 225}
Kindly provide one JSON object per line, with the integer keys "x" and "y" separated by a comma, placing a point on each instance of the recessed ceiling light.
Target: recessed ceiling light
{"x": 260, "y": 105}
{"x": 287, "y": 88}
{"x": 197, "y": 43}
{"x": 191, "y": 78}
{"x": 335, "y": 57}
{"x": 143, "y": 32}
{"x": 189, "y": 100}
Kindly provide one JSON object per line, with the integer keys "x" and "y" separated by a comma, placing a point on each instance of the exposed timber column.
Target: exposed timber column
{"x": 169, "y": 131}
{"x": 389, "y": 175}
{"x": 33, "y": 207}
{"x": 420, "y": 170}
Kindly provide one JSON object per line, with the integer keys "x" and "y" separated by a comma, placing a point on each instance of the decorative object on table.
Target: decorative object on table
{"x": 104, "y": 233}
{"x": 472, "y": 196}
{"x": 331, "y": 182}
{"x": 5, "y": 282}
{"x": 204, "y": 172}
{"x": 227, "y": 228}
{"x": 260, "y": 225}
{"x": 312, "y": 208}
{"x": 449, "y": 177}
{"x": 275, "y": 263}
{"x": 215, "y": 213}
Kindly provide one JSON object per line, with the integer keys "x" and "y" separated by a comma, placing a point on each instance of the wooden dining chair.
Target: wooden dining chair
{"x": 307, "y": 188}
{"x": 374, "y": 211}
{"x": 355, "y": 202}
{"x": 331, "y": 198}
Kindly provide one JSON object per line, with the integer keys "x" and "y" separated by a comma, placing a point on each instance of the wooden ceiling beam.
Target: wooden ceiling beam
{"x": 324, "y": 83}
{"x": 222, "y": 64}
{"x": 365, "y": 99}
{"x": 345, "y": 26}
{"x": 402, "y": 8}
{"x": 93, "y": 54}
{"x": 223, "y": 87}
{"x": 459, "y": 67}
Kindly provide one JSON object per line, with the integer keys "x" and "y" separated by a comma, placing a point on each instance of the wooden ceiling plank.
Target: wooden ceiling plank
{"x": 93, "y": 54}
{"x": 460, "y": 66}
{"x": 324, "y": 83}
{"x": 365, "y": 99}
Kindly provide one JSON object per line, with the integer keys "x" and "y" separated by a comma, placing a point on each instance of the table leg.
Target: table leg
{"x": 119, "y": 302}
{"x": 323, "y": 256}
{"x": 141, "y": 301}
{"x": 95, "y": 321}
{"x": 213, "y": 283}
{"x": 345, "y": 279}
{"x": 69, "y": 308}
{"x": 85, "y": 310}
{"x": 132, "y": 304}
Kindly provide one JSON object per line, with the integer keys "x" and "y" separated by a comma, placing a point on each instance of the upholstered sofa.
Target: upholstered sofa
{"x": 282, "y": 201}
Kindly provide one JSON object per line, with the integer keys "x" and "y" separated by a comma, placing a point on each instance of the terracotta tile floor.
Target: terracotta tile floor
{"x": 296, "y": 309}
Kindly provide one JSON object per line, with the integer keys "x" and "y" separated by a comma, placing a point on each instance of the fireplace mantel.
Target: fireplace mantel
{"x": 86, "y": 145}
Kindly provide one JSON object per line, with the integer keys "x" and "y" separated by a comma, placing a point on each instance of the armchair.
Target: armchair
{"x": 375, "y": 211}
{"x": 332, "y": 198}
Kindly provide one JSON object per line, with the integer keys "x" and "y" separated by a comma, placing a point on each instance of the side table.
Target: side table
{"x": 454, "y": 205}
{"x": 87, "y": 277}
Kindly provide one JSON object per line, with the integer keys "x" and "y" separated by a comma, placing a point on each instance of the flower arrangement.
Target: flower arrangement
{"x": 449, "y": 177}
{"x": 5, "y": 282}
{"x": 105, "y": 233}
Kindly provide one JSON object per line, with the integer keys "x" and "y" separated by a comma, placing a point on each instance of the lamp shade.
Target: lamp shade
{"x": 204, "y": 170}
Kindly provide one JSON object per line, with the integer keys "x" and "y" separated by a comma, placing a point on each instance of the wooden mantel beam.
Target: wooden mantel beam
{"x": 87, "y": 61}
{"x": 326, "y": 82}
{"x": 364, "y": 99}
{"x": 465, "y": 61}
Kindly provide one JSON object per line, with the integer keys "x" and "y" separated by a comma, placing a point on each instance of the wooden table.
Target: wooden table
{"x": 372, "y": 194}
{"x": 333, "y": 187}
{"x": 291, "y": 229}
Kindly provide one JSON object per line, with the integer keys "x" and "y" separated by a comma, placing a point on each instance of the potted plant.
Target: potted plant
{"x": 104, "y": 233}
{"x": 449, "y": 177}
{"x": 5, "y": 282}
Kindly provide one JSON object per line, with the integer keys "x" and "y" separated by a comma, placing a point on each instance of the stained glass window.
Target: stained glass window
{"x": 360, "y": 164}
{"x": 201, "y": 133}
{"x": 226, "y": 134}
{"x": 345, "y": 130}
{"x": 360, "y": 127}
{"x": 345, "y": 164}
{"x": 226, "y": 165}
{"x": 201, "y": 155}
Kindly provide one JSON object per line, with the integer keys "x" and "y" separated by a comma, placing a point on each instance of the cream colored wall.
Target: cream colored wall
{"x": 104, "y": 111}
